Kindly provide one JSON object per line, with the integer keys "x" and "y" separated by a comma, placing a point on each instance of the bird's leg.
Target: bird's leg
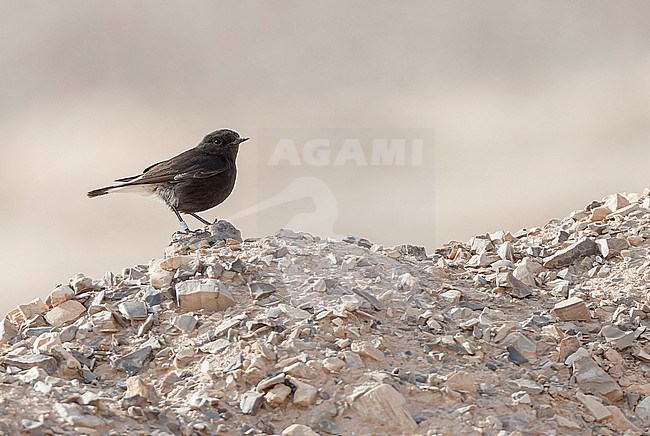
{"x": 201, "y": 219}
{"x": 181, "y": 221}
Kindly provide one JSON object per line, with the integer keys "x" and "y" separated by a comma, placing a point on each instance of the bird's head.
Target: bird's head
{"x": 222, "y": 141}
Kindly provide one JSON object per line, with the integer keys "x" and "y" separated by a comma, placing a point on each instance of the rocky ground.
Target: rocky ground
{"x": 540, "y": 331}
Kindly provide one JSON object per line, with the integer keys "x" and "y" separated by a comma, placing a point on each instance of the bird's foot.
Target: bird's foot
{"x": 203, "y": 221}
{"x": 185, "y": 227}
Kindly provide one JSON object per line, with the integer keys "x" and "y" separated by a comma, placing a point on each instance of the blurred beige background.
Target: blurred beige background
{"x": 538, "y": 107}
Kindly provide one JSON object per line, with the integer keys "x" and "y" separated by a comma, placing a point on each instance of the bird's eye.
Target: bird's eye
{"x": 217, "y": 141}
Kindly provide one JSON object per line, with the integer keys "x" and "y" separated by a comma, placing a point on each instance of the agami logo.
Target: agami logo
{"x": 350, "y": 151}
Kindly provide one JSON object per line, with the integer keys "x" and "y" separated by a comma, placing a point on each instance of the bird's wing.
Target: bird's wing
{"x": 197, "y": 175}
{"x": 128, "y": 179}
{"x": 185, "y": 166}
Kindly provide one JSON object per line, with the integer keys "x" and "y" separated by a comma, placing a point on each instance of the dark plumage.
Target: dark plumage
{"x": 195, "y": 180}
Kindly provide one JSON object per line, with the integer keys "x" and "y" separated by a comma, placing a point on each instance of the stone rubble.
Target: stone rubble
{"x": 540, "y": 330}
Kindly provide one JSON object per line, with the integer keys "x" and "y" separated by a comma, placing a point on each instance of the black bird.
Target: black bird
{"x": 195, "y": 180}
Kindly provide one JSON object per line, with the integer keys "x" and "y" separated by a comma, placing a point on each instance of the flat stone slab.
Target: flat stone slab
{"x": 67, "y": 311}
{"x": 572, "y": 309}
{"x": 594, "y": 380}
{"x": 28, "y": 361}
{"x": 567, "y": 256}
{"x": 384, "y": 404}
{"x": 132, "y": 362}
{"x": 206, "y": 294}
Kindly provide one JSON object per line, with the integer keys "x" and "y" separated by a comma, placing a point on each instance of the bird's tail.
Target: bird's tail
{"x": 100, "y": 191}
{"x": 142, "y": 189}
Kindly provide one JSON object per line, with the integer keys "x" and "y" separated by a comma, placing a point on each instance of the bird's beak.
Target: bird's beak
{"x": 242, "y": 139}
